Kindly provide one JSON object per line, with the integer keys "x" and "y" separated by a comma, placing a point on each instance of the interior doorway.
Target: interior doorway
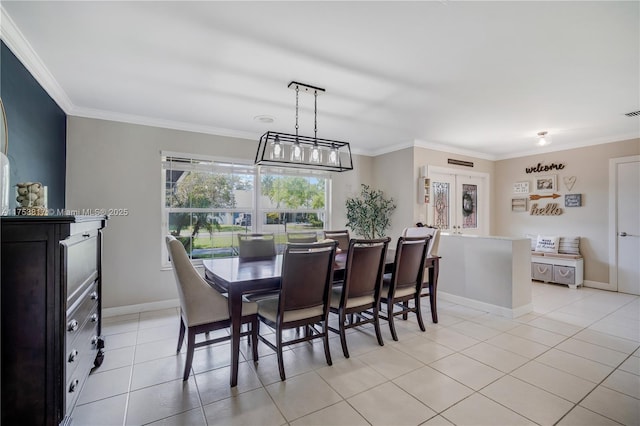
{"x": 624, "y": 224}
{"x": 459, "y": 201}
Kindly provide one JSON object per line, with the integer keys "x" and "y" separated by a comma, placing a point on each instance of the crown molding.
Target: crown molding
{"x": 20, "y": 46}
{"x": 453, "y": 150}
{"x": 162, "y": 123}
{"x": 557, "y": 148}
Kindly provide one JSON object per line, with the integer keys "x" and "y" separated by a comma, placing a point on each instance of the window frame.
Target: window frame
{"x": 256, "y": 210}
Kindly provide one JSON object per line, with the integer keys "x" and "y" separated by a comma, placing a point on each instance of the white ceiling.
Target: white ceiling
{"x": 476, "y": 77}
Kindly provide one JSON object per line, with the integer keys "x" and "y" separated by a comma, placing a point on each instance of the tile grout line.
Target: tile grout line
{"x": 133, "y": 358}
{"x": 596, "y": 387}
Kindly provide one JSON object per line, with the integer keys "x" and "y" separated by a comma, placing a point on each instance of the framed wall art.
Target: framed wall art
{"x": 548, "y": 183}
{"x": 573, "y": 200}
{"x": 519, "y": 204}
{"x": 521, "y": 188}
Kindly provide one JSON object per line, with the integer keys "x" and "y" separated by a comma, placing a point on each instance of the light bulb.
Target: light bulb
{"x": 277, "y": 153}
{"x": 333, "y": 156}
{"x": 543, "y": 139}
{"x": 296, "y": 152}
{"x": 315, "y": 156}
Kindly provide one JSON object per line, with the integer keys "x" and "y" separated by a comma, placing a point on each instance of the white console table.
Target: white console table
{"x": 488, "y": 273}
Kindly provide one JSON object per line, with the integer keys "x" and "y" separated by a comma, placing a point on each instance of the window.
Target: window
{"x": 207, "y": 202}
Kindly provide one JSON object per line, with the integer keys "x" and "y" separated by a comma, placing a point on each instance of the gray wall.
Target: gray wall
{"x": 117, "y": 165}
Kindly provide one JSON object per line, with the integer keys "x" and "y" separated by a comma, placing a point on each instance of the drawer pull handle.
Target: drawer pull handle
{"x": 94, "y": 295}
{"x": 564, "y": 273}
{"x": 542, "y": 270}
{"x": 94, "y": 317}
{"x": 86, "y": 235}
{"x": 73, "y": 385}
{"x": 73, "y": 355}
{"x": 94, "y": 340}
{"x": 73, "y": 325}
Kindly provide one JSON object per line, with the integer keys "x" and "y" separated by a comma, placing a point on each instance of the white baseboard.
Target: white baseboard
{"x": 141, "y": 307}
{"x": 599, "y": 285}
{"x": 487, "y": 307}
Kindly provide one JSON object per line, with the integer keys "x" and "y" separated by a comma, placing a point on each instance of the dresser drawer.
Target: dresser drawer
{"x": 86, "y": 309}
{"x": 564, "y": 274}
{"x": 80, "y": 262}
{"x": 83, "y": 348}
{"x": 542, "y": 272}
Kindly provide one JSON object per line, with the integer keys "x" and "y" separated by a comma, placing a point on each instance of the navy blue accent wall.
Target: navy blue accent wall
{"x": 37, "y": 131}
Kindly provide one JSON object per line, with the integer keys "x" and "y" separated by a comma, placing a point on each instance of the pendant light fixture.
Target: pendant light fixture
{"x": 306, "y": 152}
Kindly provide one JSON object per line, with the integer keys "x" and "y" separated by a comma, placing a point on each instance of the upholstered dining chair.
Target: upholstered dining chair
{"x": 432, "y": 251}
{"x": 425, "y": 231}
{"x": 256, "y": 245}
{"x": 305, "y": 291}
{"x": 359, "y": 293}
{"x": 405, "y": 281}
{"x": 341, "y": 236}
{"x": 302, "y": 237}
{"x": 203, "y": 308}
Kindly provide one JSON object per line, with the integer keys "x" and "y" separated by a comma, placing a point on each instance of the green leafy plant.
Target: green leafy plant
{"x": 369, "y": 213}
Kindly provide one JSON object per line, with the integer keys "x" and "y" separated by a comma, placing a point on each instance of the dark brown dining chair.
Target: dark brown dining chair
{"x": 428, "y": 289}
{"x": 305, "y": 291}
{"x": 359, "y": 294}
{"x": 256, "y": 245}
{"x": 342, "y": 237}
{"x": 203, "y": 308}
{"x": 302, "y": 237}
{"x": 405, "y": 281}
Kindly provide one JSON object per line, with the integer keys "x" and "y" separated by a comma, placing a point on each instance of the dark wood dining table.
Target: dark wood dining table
{"x": 245, "y": 276}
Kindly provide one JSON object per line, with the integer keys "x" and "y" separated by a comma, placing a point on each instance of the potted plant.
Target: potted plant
{"x": 369, "y": 213}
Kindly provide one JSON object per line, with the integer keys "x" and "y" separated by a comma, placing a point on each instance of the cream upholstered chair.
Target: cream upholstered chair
{"x": 303, "y": 301}
{"x": 359, "y": 293}
{"x": 302, "y": 237}
{"x": 203, "y": 308}
{"x": 342, "y": 237}
{"x": 256, "y": 245}
{"x": 405, "y": 282}
{"x": 424, "y": 231}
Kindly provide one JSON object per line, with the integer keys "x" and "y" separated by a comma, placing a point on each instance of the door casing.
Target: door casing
{"x": 484, "y": 205}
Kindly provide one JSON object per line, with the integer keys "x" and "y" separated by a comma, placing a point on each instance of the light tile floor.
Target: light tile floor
{"x": 575, "y": 360}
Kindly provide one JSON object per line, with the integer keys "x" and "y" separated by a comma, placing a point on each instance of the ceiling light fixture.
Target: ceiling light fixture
{"x": 543, "y": 139}
{"x": 304, "y": 152}
{"x": 264, "y": 119}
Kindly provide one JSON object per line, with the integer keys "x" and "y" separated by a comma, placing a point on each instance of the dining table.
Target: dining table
{"x": 239, "y": 277}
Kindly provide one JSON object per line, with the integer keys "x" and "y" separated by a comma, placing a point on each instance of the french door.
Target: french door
{"x": 459, "y": 201}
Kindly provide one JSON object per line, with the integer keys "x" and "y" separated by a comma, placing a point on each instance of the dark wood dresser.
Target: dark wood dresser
{"x": 50, "y": 294}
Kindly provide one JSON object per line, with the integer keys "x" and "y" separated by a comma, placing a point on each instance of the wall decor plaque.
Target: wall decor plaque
{"x": 521, "y": 188}
{"x": 573, "y": 200}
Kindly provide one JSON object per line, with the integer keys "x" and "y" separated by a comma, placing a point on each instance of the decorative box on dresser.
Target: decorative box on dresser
{"x": 50, "y": 294}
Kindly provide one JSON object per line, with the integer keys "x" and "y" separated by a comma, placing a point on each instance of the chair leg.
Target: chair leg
{"x": 432, "y": 302}
{"x": 343, "y": 338}
{"x": 327, "y": 353}
{"x": 181, "y": 335}
{"x": 405, "y": 306}
{"x": 279, "y": 353}
{"x": 392, "y": 326}
{"x": 191, "y": 342}
{"x": 376, "y": 325}
{"x": 254, "y": 337}
{"x": 419, "y": 312}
